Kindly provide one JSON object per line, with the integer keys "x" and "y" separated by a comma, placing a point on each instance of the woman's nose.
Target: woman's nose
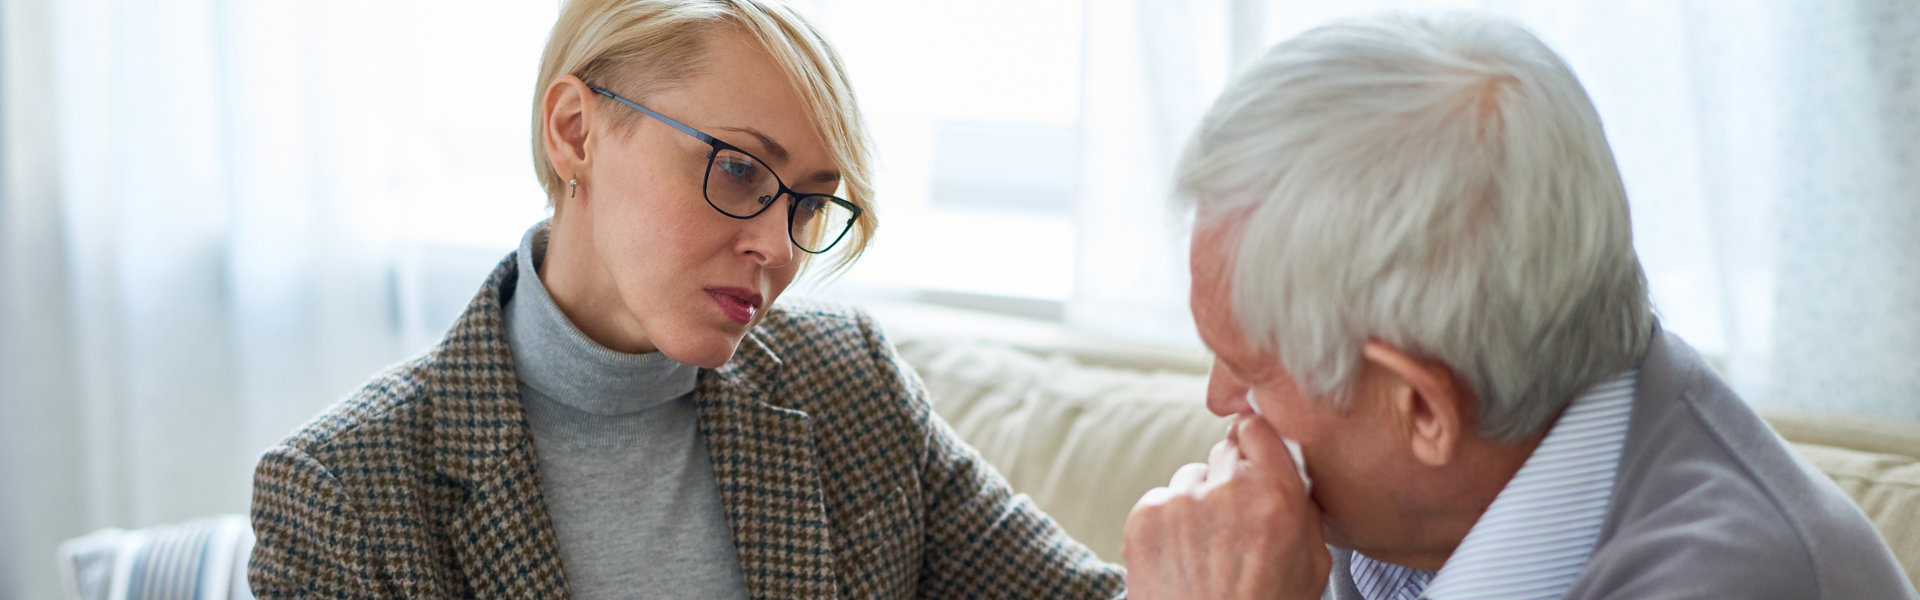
{"x": 1226, "y": 396}
{"x": 765, "y": 237}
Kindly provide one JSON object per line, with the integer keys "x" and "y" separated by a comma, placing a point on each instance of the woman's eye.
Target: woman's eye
{"x": 807, "y": 207}
{"x": 738, "y": 168}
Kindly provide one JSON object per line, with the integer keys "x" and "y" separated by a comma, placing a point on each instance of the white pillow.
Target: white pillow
{"x": 203, "y": 559}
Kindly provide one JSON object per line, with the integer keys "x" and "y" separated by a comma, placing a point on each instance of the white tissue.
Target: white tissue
{"x": 1293, "y": 448}
{"x": 1299, "y": 463}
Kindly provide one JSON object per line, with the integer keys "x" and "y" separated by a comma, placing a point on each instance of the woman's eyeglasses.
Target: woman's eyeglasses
{"x": 741, "y": 186}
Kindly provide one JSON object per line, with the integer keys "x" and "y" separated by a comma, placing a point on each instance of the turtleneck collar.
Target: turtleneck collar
{"x": 552, "y": 357}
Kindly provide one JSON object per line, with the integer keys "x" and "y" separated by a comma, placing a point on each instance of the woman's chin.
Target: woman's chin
{"x": 707, "y": 353}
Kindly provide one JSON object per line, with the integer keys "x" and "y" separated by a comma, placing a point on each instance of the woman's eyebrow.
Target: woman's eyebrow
{"x": 779, "y": 154}
{"x": 774, "y": 150}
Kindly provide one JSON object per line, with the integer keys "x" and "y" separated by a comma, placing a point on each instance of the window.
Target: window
{"x": 974, "y": 106}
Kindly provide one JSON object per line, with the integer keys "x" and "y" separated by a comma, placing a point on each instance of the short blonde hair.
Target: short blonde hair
{"x": 644, "y": 46}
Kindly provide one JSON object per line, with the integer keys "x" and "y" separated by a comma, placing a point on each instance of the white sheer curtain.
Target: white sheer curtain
{"x": 1149, "y": 71}
{"x": 189, "y": 294}
{"x": 1771, "y": 152}
{"x": 1818, "y": 269}
{"x": 219, "y": 218}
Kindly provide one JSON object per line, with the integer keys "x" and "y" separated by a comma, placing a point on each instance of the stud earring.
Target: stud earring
{"x": 573, "y": 187}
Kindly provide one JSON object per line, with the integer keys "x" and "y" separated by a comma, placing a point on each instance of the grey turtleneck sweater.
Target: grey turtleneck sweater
{"x": 623, "y": 468}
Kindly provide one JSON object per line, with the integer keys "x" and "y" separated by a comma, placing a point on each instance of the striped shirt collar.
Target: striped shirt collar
{"x": 1536, "y": 536}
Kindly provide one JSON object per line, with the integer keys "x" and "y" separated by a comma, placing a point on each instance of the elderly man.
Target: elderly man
{"x": 1412, "y": 257}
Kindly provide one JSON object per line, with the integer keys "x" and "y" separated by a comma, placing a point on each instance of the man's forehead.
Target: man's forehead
{"x": 1210, "y": 259}
{"x": 1210, "y": 297}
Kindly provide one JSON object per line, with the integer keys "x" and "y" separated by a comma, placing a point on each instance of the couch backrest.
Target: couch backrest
{"x": 1086, "y": 441}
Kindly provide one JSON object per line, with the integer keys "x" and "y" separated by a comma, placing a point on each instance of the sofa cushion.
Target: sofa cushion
{"x": 1085, "y": 441}
{"x": 1887, "y": 488}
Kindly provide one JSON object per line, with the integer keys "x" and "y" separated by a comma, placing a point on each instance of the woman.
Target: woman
{"x": 623, "y": 410}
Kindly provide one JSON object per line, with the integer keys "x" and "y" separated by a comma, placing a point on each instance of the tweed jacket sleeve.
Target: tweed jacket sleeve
{"x": 304, "y": 554}
{"x": 990, "y": 542}
{"x": 985, "y": 540}
{"x": 917, "y": 512}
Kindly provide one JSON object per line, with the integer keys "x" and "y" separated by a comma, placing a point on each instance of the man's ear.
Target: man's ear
{"x": 1425, "y": 399}
{"x": 563, "y": 118}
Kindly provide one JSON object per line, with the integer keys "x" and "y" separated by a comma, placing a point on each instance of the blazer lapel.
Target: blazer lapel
{"x": 500, "y": 530}
{"x": 764, "y": 464}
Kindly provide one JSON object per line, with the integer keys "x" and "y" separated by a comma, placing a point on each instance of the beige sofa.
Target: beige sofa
{"x": 1086, "y": 428}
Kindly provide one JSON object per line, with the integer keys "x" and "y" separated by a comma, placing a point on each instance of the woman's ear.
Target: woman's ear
{"x": 1425, "y": 399}
{"x": 563, "y": 119}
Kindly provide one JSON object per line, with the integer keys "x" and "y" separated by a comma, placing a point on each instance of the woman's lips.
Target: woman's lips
{"x": 738, "y": 304}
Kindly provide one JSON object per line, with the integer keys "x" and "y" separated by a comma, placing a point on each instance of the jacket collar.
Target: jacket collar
{"x": 500, "y": 530}
{"x": 477, "y": 418}
{"x": 764, "y": 464}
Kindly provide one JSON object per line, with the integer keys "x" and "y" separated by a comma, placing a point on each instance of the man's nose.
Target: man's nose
{"x": 1226, "y": 396}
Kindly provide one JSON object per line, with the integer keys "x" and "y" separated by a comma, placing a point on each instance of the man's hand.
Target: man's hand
{"x": 1240, "y": 527}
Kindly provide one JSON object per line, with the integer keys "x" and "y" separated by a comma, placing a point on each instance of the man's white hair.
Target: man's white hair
{"x": 1439, "y": 183}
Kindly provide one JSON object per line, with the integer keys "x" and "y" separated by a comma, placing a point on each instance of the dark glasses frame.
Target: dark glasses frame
{"x": 716, "y": 145}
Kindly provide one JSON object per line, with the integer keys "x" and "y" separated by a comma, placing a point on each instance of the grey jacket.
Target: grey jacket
{"x": 1709, "y": 503}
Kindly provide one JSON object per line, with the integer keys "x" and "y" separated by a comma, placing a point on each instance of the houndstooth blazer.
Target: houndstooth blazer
{"x": 837, "y": 479}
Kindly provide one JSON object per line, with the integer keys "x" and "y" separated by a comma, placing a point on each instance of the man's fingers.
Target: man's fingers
{"x": 1159, "y": 496}
{"x": 1221, "y": 461}
{"x": 1188, "y": 477}
{"x": 1265, "y": 451}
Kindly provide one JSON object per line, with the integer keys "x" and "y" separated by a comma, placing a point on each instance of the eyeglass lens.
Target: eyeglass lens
{"x": 741, "y": 186}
